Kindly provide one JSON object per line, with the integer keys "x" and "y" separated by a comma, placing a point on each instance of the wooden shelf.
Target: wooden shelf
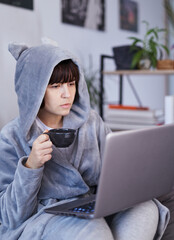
{"x": 139, "y": 72}
{"x": 121, "y": 74}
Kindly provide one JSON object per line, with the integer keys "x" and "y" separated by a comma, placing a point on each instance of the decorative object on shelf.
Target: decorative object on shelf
{"x": 165, "y": 64}
{"x": 123, "y": 56}
{"x": 151, "y": 50}
{"x": 169, "y": 109}
{"x": 144, "y": 63}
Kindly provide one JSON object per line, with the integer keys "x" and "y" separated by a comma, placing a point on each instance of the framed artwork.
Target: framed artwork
{"x": 129, "y": 15}
{"x": 28, "y": 4}
{"x": 84, "y": 13}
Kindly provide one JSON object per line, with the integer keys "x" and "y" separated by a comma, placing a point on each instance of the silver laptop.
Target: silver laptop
{"x": 138, "y": 165}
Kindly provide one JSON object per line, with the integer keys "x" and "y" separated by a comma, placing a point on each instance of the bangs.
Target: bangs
{"x": 65, "y": 71}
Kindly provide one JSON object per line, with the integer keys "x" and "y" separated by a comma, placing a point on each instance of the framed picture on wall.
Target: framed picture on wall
{"x": 129, "y": 15}
{"x": 84, "y": 13}
{"x": 28, "y": 4}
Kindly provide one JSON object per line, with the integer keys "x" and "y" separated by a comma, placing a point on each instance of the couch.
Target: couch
{"x": 168, "y": 201}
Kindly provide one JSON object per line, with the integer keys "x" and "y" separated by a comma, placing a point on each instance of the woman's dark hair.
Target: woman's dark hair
{"x": 65, "y": 71}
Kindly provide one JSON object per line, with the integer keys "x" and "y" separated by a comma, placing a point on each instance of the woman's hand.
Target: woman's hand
{"x": 40, "y": 153}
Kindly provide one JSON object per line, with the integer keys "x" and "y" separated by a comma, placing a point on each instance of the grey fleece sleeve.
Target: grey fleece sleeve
{"x": 19, "y": 200}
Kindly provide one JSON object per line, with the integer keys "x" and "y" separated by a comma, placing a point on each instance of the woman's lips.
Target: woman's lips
{"x": 66, "y": 105}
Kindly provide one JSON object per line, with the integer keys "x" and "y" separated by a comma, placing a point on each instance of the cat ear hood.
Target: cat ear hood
{"x": 33, "y": 71}
{"x": 16, "y": 49}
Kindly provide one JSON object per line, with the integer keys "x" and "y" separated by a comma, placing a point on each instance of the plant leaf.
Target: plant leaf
{"x": 136, "y": 58}
{"x": 135, "y": 39}
{"x": 165, "y": 48}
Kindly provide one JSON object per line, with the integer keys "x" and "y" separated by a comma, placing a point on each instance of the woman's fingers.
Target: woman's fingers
{"x": 41, "y": 152}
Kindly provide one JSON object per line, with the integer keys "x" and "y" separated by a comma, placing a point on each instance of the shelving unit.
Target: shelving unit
{"x": 122, "y": 73}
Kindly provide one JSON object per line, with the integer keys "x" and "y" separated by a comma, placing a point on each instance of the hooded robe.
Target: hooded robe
{"x": 71, "y": 172}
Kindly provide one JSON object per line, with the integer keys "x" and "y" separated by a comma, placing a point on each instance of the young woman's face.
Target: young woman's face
{"x": 59, "y": 98}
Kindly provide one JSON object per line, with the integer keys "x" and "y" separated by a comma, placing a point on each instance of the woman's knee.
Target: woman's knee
{"x": 138, "y": 222}
{"x": 148, "y": 211}
{"x": 66, "y": 228}
{"x": 97, "y": 229}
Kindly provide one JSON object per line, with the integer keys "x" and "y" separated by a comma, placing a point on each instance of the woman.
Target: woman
{"x": 34, "y": 174}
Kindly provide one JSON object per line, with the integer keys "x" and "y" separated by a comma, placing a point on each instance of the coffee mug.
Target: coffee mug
{"x": 61, "y": 137}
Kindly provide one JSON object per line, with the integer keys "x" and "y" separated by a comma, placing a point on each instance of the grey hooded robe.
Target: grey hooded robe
{"x": 71, "y": 172}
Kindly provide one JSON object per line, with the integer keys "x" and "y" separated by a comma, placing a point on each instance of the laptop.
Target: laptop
{"x": 138, "y": 165}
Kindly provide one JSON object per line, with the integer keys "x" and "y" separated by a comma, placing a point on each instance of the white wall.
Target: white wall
{"x": 27, "y": 26}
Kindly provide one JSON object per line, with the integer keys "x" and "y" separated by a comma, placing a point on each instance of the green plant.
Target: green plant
{"x": 169, "y": 11}
{"x": 148, "y": 47}
{"x": 91, "y": 77}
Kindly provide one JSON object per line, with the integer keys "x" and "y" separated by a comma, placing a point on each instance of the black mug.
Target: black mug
{"x": 61, "y": 137}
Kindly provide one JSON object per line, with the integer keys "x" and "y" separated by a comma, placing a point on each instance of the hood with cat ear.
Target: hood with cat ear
{"x": 16, "y": 49}
{"x": 33, "y": 71}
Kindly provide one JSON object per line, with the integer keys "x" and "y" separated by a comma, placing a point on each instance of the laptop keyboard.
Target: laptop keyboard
{"x": 87, "y": 208}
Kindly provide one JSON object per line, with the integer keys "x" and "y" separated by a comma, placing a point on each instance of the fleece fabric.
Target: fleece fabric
{"x": 71, "y": 172}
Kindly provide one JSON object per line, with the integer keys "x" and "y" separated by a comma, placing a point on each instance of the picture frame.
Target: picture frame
{"x": 85, "y": 13}
{"x": 129, "y": 15}
{"x": 27, "y": 4}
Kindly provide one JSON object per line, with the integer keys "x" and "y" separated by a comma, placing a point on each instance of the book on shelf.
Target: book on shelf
{"x": 124, "y": 112}
{"x": 130, "y": 117}
{"x": 135, "y": 120}
{"x": 126, "y": 107}
{"x": 124, "y": 126}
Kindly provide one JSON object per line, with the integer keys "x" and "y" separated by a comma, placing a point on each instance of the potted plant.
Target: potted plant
{"x": 169, "y": 10}
{"x": 91, "y": 78}
{"x": 148, "y": 49}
